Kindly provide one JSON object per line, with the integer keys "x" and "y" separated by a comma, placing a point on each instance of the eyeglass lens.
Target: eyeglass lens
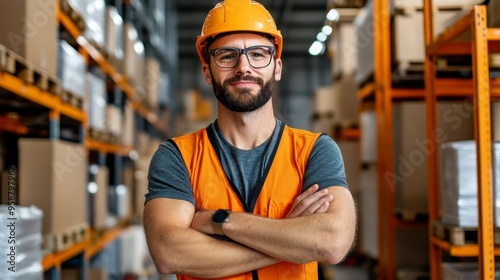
{"x": 258, "y": 57}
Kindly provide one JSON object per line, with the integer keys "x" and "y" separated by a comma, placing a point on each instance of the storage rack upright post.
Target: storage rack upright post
{"x": 483, "y": 40}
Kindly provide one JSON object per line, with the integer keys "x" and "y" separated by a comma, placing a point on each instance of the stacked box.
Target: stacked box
{"x": 72, "y": 69}
{"x": 114, "y": 120}
{"x": 93, "y": 13}
{"x": 120, "y": 201}
{"x": 134, "y": 59}
{"x": 410, "y": 143}
{"x": 324, "y": 110}
{"x": 100, "y": 209}
{"x": 27, "y": 250}
{"x": 409, "y": 46}
{"x": 29, "y": 28}
{"x": 345, "y": 102}
{"x": 152, "y": 83}
{"x": 164, "y": 92}
{"x": 368, "y": 209}
{"x": 459, "y": 204}
{"x": 495, "y": 120}
{"x": 141, "y": 184}
{"x": 368, "y": 137}
{"x": 343, "y": 44}
{"x": 464, "y": 271}
{"x": 114, "y": 34}
{"x": 53, "y": 177}
{"x": 128, "y": 125}
{"x": 493, "y": 13}
{"x": 364, "y": 41}
{"x": 97, "y": 102}
{"x": 134, "y": 250}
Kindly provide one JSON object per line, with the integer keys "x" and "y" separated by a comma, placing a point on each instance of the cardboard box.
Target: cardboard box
{"x": 140, "y": 177}
{"x": 134, "y": 59}
{"x": 97, "y": 274}
{"x": 352, "y": 166}
{"x": 30, "y": 29}
{"x": 53, "y": 177}
{"x": 113, "y": 120}
{"x": 152, "y": 83}
{"x": 493, "y": 13}
{"x": 495, "y": 120}
{"x": 409, "y": 46}
{"x": 343, "y": 44}
{"x": 368, "y": 204}
{"x": 128, "y": 125}
{"x": 100, "y": 211}
{"x": 114, "y": 33}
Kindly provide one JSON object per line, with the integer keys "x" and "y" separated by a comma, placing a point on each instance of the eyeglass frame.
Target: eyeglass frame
{"x": 244, "y": 51}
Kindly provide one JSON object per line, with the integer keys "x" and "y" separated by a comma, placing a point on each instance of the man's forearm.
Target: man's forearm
{"x": 297, "y": 240}
{"x": 322, "y": 237}
{"x": 198, "y": 254}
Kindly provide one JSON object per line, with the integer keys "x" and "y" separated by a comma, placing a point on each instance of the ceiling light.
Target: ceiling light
{"x": 316, "y": 48}
{"x": 333, "y": 15}
{"x": 321, "y": 37}
{"x": 327, "y": 30}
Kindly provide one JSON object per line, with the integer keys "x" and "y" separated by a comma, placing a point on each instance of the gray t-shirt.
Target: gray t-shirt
{"x": 168, "y": 176}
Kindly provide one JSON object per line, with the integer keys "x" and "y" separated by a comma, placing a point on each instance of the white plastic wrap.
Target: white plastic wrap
{"x": 93, "y": 13}
{"x": 71, "y": 70}
{"x": 459, "y": 183}
{"x": 463, "y": 271}
{"x": 97, "y": 102}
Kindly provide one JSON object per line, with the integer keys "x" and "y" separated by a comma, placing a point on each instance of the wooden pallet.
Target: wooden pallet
{"x": 61, "y": 241}
{"x": 70, "y": 98}
{"x": 14, "y": 64}
{"x": 75, "y": 16}
{"x": 459, "y": 235}
{"x": 99, "y": 135}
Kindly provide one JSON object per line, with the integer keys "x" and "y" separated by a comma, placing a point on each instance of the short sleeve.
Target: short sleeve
{"x": 325, "y": 165}
{"x": 168, "y": 176}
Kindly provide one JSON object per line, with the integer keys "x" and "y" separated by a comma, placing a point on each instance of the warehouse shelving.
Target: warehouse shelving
{"x": 483, "y": 89}
{"x": 106, "y": 67}
{"x": 85, "y": 249}
{"x": 382, "y": 94}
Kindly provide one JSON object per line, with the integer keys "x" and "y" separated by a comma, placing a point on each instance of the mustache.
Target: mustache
{"x": 244, "y": 78}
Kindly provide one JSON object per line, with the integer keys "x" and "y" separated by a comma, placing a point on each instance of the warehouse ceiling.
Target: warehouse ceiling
{"x": 299, "y": 22}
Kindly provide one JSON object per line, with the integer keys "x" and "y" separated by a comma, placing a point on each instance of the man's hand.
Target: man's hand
{"x": 310, "y": 202}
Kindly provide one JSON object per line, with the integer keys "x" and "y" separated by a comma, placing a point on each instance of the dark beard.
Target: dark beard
{"x": 242, "y": 101}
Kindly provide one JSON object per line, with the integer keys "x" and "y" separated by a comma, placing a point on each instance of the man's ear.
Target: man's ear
{"x": 277, "y": 71}
{"x": 206, "y": 74}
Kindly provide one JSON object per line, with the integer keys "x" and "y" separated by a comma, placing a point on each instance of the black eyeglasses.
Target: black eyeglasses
{"x": 228, "y": 57}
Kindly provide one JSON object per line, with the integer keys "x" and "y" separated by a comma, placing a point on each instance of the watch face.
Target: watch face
{"x": 220, "y": 216}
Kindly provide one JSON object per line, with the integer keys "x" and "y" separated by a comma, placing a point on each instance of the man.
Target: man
{"x": 247, "y": 197}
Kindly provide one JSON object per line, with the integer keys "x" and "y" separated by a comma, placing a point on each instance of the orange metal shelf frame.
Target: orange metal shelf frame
{"x": 117, "y": 78}
{"x": 107, "y": 148}
{"x": 484, "y": 89}
{"x": 34, "y": 94}
{"x": 87, "y": 247}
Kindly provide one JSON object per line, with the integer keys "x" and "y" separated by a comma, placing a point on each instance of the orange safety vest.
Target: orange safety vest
{"x": 212, "y": 189}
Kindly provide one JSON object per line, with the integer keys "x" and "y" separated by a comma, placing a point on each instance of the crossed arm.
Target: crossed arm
{"x": 320, "y": 226}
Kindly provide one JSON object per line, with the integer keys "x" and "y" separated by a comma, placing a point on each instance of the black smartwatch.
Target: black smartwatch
{"x": 219, "y": 217}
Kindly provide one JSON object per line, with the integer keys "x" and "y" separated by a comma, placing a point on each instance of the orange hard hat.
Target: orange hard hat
{"x": 238, "y": 15}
